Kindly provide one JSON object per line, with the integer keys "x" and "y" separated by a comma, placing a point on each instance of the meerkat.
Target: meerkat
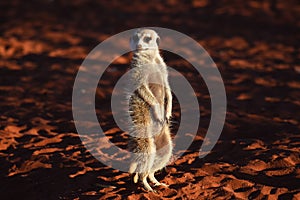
{"x": 150, "y": 107}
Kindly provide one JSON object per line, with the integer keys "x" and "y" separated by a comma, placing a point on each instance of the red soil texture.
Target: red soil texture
{"x": 256, "y": 46}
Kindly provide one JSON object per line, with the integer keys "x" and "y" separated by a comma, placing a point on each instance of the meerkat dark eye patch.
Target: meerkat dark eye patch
{"x": 135, "y": 38}
{"x": 147, "y": 39}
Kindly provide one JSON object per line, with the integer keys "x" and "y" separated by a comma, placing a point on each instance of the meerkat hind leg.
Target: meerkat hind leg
{"x": 146, "y": 184}
{"x": 156, "y": 182}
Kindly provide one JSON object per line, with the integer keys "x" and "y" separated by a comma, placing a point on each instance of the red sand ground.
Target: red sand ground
{"x": 256, "y": 47}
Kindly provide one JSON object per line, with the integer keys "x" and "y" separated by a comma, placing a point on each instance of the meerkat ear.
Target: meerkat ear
{"x": 157, "y": 41}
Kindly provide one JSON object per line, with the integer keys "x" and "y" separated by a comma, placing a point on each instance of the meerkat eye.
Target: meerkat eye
{"x": 135, "y": 38}
{"x": 147, "y": 39}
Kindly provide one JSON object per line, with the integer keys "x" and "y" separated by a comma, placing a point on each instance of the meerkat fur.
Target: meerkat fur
{"x": 150, "y": 107}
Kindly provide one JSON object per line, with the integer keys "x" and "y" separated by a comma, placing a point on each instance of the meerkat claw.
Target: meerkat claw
{"x": 167, "y": 120}
{"x": 161, "y": 184}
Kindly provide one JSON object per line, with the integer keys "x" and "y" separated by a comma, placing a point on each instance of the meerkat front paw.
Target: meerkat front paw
{"x": 168, "y": 116}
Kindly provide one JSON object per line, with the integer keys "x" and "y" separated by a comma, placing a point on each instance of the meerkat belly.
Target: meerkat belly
{"x": 156, "y": 86}
{"x": 162, "y": 140}
{"x": 158, "y": 92}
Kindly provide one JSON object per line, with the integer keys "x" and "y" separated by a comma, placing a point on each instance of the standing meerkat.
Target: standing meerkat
{"x": 150, "y": 107}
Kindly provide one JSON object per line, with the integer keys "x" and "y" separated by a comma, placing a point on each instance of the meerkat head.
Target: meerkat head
{"x": 144, "y": 40}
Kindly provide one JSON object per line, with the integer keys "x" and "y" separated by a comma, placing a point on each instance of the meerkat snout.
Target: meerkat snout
{"x": 144, "y": 39}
